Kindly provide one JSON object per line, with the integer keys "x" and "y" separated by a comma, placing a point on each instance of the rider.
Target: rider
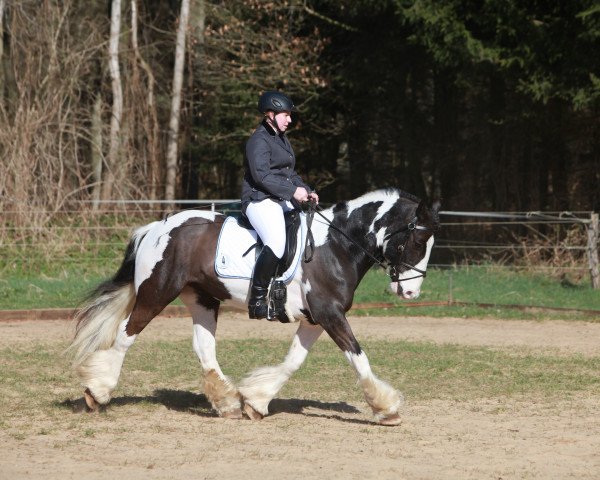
{"x": 270, "y": 186}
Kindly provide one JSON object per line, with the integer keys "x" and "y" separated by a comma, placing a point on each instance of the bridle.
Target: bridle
{"x": 393, "y": 269}
{"x": 383, "y": 263}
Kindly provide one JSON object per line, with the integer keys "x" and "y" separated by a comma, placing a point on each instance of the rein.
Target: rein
{"x": 393, "y": 272}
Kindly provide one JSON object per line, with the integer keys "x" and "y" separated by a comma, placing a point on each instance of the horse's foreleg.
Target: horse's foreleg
{"x": 260, "y": 386}
{"x": 219, "y": 390}
{"x": 384, "y": 400}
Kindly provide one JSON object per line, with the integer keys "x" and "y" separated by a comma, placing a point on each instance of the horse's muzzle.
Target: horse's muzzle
{"x": 396, "y": 287}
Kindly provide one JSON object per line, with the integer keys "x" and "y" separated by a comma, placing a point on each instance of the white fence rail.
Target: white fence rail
{"x": 20, "y": 238}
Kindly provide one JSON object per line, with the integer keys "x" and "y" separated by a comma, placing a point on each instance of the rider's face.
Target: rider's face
{"x": 283, "y": 120}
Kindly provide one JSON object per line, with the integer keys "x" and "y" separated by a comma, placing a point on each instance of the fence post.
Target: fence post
{"x": 592, "y": 244}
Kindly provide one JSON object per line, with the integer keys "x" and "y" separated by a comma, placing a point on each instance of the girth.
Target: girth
{"x": 292, "y": 223}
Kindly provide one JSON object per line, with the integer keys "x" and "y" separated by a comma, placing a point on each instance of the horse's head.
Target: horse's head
{"x": 408, "y": 249}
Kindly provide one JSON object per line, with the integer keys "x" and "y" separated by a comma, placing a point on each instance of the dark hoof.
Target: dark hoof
{"x": 252, "y": 414}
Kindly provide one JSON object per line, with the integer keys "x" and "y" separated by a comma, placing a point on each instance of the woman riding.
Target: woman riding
{"x": 270, "y": 188}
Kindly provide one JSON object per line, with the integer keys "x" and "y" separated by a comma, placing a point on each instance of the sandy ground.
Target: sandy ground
{"x": 556, "y": 336}
{"x": 479, "y": 439}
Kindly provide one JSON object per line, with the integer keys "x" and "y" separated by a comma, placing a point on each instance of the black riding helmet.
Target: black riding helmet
{"x": 275, "y": 101}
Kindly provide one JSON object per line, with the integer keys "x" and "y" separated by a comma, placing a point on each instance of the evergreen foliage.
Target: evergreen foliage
{"x": 488, "y": 105}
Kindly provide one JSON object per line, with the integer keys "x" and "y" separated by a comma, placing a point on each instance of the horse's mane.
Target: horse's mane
{"x": 387, "y": 195}
{"x": 409, "y": 196}
{"x": 390, "y": 191}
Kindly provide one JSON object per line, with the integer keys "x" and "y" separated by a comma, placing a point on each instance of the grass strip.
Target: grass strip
{"x": 472, "y": 285}
{"x": 38, "y": 377}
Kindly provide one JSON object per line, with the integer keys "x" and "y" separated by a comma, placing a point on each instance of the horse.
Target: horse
{"x": 175, "y": 257}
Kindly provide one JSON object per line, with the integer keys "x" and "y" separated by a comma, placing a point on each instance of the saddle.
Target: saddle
{"x": 292, "y": 224}
{"x": 234, "y": 258}
{"x": 237, "y": 239}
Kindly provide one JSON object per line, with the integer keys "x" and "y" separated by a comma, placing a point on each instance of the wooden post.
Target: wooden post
{"x": 593, "y": 234}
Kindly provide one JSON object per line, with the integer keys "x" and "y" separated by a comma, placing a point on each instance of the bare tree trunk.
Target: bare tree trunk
{"x": 151, "y": 125}
{"x": 117, "y": 107}
{"x": 2, "y": 5}
{"x": 96, "y": 133}
{"x": 189, "y": 164}
{"x": 198, "y": 26}
{"x": 176, "y": 102}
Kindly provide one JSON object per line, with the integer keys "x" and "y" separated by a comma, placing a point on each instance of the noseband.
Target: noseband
{"x": 393, "y": 272}
{"x": 393, "y": 269}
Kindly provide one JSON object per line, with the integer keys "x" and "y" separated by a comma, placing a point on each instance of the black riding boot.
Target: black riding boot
{"x": 264, "y": 270}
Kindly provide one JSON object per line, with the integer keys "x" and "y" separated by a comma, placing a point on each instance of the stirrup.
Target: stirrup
{"x": 277, "y": 301}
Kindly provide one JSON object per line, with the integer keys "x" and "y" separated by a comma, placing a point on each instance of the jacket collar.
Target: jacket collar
{"x": 284, "y": 142}
{"x": 268, "y": 127}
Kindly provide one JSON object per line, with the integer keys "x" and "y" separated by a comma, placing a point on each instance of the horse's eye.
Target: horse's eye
{"x": 420, "y": 241}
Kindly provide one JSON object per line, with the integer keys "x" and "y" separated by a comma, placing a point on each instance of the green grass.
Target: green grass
{"x": 486, "y": 284}
{"x": 64, "y": 291}
{"x": 38, "y": 377}
{"x": 66, "y": 288}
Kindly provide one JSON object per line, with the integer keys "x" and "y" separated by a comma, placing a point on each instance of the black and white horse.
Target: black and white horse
{"x": 176, "y": 258}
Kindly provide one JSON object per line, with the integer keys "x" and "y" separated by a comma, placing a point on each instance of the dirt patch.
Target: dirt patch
{"x": 555, "y": 336}
{"x": 490, "y": 438}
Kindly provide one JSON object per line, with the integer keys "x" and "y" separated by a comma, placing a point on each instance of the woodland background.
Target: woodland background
{"x": 490, "y": 104}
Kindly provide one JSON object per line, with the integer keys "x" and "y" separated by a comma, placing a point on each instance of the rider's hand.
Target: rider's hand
{"x": 301, "y": 194}
{"x": 314, "y": 196}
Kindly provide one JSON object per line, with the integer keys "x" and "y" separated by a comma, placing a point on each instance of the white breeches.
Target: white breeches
{"x": 267, "y": 219}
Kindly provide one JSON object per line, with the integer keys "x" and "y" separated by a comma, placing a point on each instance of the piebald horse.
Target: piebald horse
{"x": 175, "y": 257}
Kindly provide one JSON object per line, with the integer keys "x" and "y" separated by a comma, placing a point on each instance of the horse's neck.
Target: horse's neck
{"x": 359, "y": 238}
{"x": 366, "y": 221}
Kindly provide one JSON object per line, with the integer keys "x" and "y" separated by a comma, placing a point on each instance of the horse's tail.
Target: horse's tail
{"x": 107, "y": 306}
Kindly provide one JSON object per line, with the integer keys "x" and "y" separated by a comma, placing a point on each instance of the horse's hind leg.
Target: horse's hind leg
{"x": 219, "y": 390}
{"x": 100, "y": 371}
{"x": 260, "y": 386}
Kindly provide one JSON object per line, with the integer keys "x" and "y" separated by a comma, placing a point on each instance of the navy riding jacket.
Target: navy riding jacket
{"x": 269, "y": 167}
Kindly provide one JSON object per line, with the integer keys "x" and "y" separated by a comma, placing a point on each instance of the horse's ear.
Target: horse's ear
{"x": 422, "y": 210}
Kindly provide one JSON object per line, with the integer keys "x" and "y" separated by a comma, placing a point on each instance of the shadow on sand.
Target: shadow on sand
{"x": 198, "y": 404}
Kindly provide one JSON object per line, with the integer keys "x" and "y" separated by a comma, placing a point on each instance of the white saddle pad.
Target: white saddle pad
{"x": 234, "y": 241}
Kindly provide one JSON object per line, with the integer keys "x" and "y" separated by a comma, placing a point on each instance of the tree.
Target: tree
{"x": 148, "y": 115}
{"x": 249, "y": 46}
{"x": 2, "y": 5}
{"x": 191, "y": 161}
{"x": 43, "y": 112}
{"x": 171, "y": 166}
{"x": 114, "y": 169}
{"x": 480, "y": 103}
